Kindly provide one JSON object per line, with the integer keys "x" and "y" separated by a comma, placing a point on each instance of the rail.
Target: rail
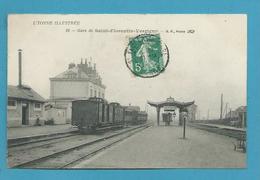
{"x": 37, "y": 162}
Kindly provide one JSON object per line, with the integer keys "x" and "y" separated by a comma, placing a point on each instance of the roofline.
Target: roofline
{"x": 81, "y": 79}
{"x": 60, "y": 99}
{"x": 173, "y": 103}
{"x": 18, "y": 98}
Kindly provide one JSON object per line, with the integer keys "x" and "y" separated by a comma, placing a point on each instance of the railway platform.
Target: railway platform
{"x": 163, "y": 147}
{"x": 222, "y": 127}
{"x": 32, "y": 131}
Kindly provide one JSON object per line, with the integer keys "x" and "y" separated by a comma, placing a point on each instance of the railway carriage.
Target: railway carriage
{"x": 141, "y": 117}
{"x": 130, "y": 116}
{"x": 89, "y": 114}
{"x": 134, "y": 116}
{"x": 96, "y": 113}
{"x": 117, "y": 113}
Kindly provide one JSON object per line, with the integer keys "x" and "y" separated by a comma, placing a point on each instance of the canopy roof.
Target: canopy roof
{"x": 170, "y": 102}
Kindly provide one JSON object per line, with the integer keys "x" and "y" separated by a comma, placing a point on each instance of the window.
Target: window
{"x": 71, "y": 75}
{"x": 95, "y": 93}
{"x": 11, "y": 104}
{"x": 37, "y": 106}
{"x": 99, "y": 94}
{"x": 103, "y": 95}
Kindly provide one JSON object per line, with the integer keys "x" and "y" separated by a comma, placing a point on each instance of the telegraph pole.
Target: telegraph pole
{"x": 221, "y": 106}
{"x": 184, "y": 127}
{"x": 226, "y": 110}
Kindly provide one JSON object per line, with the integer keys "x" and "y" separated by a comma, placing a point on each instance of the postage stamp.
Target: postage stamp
{"x": 146, "y": 55}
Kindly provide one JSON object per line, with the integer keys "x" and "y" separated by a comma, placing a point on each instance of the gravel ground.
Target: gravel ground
{"x": 163, "y": 147}
{"x": 22, "y": 154}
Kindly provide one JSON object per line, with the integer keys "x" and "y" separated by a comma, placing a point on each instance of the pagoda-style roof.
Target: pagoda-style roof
{"x": 170, "y": 102}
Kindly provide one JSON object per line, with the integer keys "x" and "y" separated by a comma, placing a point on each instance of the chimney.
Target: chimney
{"x": 20, "y": 67}
{"x": 71, "y": 65}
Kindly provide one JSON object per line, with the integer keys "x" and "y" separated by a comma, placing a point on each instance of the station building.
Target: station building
{"x": 24, "y": 106}
{"x": 54, "y": 114}
{"x": 77, "y": 82}
{"x": 238, "y": 117}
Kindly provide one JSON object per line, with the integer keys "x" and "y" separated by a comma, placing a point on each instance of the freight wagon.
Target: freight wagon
{"x": 94, "y": 113}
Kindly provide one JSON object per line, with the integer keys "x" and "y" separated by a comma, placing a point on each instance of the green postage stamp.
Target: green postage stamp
{"x": 146, "y": 55}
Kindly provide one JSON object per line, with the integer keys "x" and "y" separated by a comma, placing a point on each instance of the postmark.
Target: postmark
{"x": 146, "y": 55}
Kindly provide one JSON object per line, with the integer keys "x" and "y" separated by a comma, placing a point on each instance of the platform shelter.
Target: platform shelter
{"x": 170, "y": 102}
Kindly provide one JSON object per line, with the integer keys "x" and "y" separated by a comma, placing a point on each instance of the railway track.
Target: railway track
{"x": 36, "y": 139}
{"x": 230, "y": 132}
{"x": 74, "y": 152}
{"x": 42, "y": 140}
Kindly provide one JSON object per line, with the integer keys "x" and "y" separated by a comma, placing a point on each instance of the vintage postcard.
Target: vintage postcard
{"x": 127, "y": 91}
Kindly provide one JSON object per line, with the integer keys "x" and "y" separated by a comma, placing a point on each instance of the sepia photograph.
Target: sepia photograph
{"x": 126, "y": 91}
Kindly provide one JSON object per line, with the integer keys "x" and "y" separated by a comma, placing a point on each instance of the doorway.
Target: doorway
{"x": 25, "y": 113}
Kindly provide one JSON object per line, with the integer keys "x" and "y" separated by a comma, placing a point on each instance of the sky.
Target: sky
{"x": 202, "y": 65}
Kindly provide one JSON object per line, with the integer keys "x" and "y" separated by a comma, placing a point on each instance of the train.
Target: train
{"x": 94, "y": 113}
